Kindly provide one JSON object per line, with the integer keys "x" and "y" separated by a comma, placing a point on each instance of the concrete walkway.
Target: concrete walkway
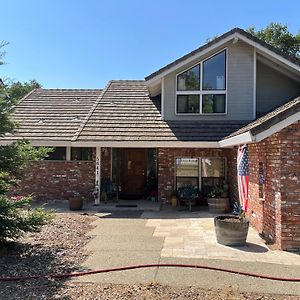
{"x": 130, "y": 238}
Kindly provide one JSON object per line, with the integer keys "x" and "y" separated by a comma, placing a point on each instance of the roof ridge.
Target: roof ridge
{"x": 80, "y": 128}
{"x": 27, "y": 95}
{"x": 70, "y": 89}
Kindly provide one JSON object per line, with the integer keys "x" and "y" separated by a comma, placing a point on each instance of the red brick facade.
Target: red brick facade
{"x": 58, "y": 180}
{"x": 276, "y": 211}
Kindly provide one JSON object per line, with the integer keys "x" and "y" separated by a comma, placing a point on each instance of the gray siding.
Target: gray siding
{"x": 239, "y": 86}
{"x": 273, "y": 89}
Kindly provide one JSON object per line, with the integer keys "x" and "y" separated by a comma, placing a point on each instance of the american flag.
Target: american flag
{"x": 243, "y": 175}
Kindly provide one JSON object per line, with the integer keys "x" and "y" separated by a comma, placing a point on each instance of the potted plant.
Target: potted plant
{"x": 174, "y": 198}
{"x": 75, "y": 202}
{"x": 232, "y": 230}
{"x": 153, "y": 195}
{"x": 217, "y": 201}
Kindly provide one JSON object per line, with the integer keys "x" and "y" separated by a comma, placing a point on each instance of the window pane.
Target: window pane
{"x": 187, "y": 167}
{"x": 214, "y": 72}
{"x": 213, "y": 167}
{"x": 81, "y": 153}
{"x": 188, "y": 104}
{"x": 189, "y": 80}
{"x": 213, "y": 103}
{"x": 58, "y": 153}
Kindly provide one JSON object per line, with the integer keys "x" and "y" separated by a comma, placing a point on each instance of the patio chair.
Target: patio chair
{"x": 187, "y": 197}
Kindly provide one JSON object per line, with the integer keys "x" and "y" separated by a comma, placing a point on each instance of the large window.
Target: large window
{"x": 206, "y": 95}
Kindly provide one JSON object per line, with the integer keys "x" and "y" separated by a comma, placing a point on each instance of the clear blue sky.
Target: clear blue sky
{"x": 83, "y": 44}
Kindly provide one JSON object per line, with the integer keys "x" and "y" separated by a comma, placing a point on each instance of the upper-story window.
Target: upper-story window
{"x": 202, "y": 88}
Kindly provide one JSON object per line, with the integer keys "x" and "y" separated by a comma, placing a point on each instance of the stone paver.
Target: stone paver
{"x": 182, "y": 238}
{"x": 194, "y": 237}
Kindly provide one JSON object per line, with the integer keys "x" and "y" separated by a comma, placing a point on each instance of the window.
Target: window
{"x": 188, "y": 103}
{"x": 189, "y": 80}
{"x": 58, "y": 153}
{"x": 187, "y": 173}
{"x": 213, "y": 104}
{"x": 261, "y": 180}
{"x": 81, "y": 153}
{"x": 213, "y": 173}
{"x": 206, "y": 95}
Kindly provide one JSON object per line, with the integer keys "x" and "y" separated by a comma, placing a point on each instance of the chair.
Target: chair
{"x": 187, "y": 196}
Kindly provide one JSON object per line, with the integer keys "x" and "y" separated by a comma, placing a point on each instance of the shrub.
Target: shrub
{"x": 18, "y": 217}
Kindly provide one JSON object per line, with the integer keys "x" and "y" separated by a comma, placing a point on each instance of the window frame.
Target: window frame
{"x": 203, "y": 92}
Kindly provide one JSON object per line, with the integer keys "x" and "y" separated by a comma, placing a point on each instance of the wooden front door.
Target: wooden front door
{"x": 134, "y": 172}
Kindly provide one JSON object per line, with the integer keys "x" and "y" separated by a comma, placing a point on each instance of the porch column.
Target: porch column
{"x": 98, "y": 176}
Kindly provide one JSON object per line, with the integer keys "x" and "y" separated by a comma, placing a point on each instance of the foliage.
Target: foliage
{"x": 279, "y": 36}
{"x": 17, "y": 217}
{"x": 238, "y": 210}
{"x": 13, "y": 160}
{"x": 16, "y": 214}
{"x": 216, "y": 192}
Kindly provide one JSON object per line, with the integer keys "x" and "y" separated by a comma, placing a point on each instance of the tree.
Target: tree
{"x": 16, "y": 214}
{"x": 279, "y": 36}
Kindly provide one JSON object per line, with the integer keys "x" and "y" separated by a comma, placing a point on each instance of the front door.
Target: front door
{"x": 134, "y": 172}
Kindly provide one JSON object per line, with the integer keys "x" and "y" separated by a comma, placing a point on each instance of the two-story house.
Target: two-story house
{"x": 179, "y": 127}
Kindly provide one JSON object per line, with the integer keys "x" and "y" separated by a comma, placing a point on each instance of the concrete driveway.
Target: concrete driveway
{"x": 131, "y": 238}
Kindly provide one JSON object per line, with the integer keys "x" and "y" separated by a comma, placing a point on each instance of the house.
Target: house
{"x": 179, "y": 127}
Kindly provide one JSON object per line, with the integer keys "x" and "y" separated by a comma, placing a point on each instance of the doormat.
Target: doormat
{"x": 126, "y": 205}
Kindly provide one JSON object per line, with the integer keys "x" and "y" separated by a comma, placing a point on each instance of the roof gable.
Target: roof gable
{"x": 236, "y": 33}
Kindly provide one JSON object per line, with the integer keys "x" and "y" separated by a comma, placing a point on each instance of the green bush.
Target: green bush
{"x": 17, "y": 217}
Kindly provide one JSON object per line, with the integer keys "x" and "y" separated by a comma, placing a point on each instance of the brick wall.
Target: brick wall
{"x": 166, "y": 166}
{"x": 277, "y": 213}
{"x": 57, "y": 180}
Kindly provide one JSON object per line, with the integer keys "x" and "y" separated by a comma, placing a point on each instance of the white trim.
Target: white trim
{"x": 68, "y": 153}
{"x": 163, "y": 98}
{"x": 277, "y": 127}
{"x": 247, "y": 137}
{"x": 201, "y": 92}
{"x": 219, "y": 44}
{"x": 254, "y": 84}
{"x": 243, "y": 138}
{"x": 124, "y": 144}
{"x": 190, "y": 59}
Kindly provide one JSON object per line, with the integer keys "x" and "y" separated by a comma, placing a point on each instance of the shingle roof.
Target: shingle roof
{"x": 220, "y": 38}
{"x": 52, "y": 114}
{"x": 125, "y": 112}
{"x": 270, "y": 119}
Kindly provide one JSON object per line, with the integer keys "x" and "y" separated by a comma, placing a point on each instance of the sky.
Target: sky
{"x": 84, "y": 44}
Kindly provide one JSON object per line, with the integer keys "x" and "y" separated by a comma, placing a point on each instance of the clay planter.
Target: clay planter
{"x": 75, "y": 203}
{"x": 218, "y": 205}
{"x": 231, "y": 231}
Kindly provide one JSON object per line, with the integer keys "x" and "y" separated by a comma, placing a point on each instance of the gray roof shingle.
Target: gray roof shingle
{"x": 265, "y": 122}
{"x": 52, "y": 114}
{"x": 125, "y": 112}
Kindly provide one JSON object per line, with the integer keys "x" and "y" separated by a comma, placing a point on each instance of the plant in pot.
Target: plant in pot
{"x": 75, "y": 201}
{"x": 174, "y": 198}
{"x": 217, "y": 201}
{"x": 232, "y": 230}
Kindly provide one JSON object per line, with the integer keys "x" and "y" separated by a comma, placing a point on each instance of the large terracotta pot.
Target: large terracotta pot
{"x": 231, "y": 230}
{"x": 75, "y": 203}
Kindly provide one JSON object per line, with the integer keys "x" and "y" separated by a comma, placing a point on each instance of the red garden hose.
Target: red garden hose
{"x": 77, "y": 274}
